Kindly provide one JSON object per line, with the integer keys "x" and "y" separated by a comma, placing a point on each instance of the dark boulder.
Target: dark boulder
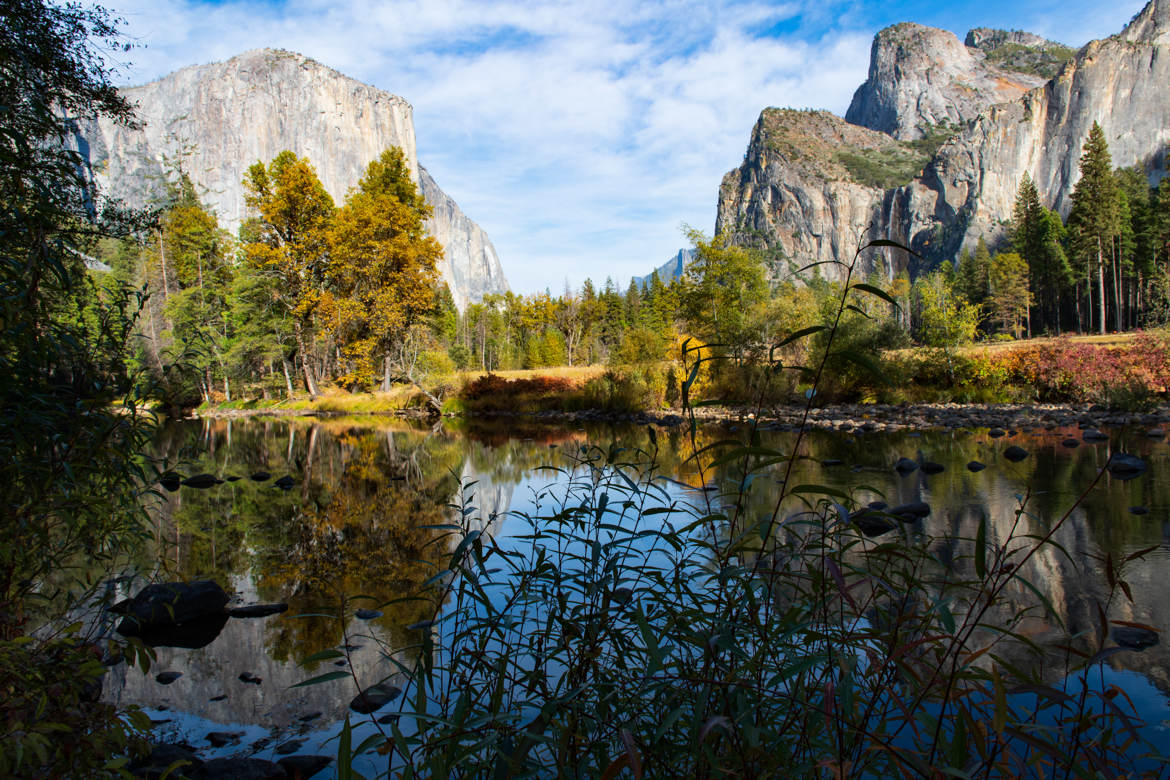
{"x": 285, "y": 483}
{"x": 1015, "y": 454}
{"x": 166, "y": 605}
{"x": 367, "y": 614}
{"x": 905, "y": 466}
{"x": 303, "y": 767}
{"x": 930, "y": 467}
{"x": 1094, "y": 435}
{"x": 871, "y": 522}
{"x": 202, "y": 481}
{"x": 170, "y": 481}
{"x": 374, "y": 698}
{"x": 995, "y": 433}
{"x": 239, "y": 769}
{"x": 1070, "y": 443}
{"x": 1134, "y": 637}
{"x": 166, "y": 678}
{"x": 1125, "y": 466}
{"x": 248, "y": 677}
{"x": 1138, "y": 510}
{"x": 220, "y": 738}
{"x": 162, "y": 758}
{"x": 908, "y": 513}
{"x": 261, "y": 476}
{"x": 976, "y": 466}
{"x": 292, "y": 746}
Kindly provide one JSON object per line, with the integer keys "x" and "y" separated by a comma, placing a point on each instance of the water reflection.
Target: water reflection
{"x": 364, "y": 516}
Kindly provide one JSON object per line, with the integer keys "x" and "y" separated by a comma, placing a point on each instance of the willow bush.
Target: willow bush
{"x": 631, "y": 625}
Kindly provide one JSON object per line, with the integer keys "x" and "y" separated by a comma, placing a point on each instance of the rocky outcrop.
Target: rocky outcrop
{"x": 471, "y": 266}
{"x": 969, "y": 188}
{"x": 1020, "y": 51}
{"x": 923, "y": 82}
{"x": 791, "y": 193}
{"x": 216, "y": 120}
{"x": 811, "y": 187}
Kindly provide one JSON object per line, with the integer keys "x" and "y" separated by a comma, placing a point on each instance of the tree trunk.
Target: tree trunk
{"x": 386, "y": 373}
{"x": 1100, "y": 288}
{"x": 306, "y": 367}
{"x": 287, "y": 376}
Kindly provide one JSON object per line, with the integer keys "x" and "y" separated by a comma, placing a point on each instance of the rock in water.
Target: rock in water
{"x": 930, "y": 467}
{"x": 908, "y": 513}
{"x": 905, "y": 466}
{"x": 1094, "y": 435}
{"x": 367, "y": 614}
{"x": 1070, "y": 443}
{"x": 239, "y": 769}
{"x": 285, "y": 483}
{"x": 1015, "y": 454}
{"x": 201, "y": 481}
{"x": 166, "y": 678}
{"x": 1134, "y": 637}
{"x": 976, "y": 466}
{"x": 261, "y": 476}
{"x": 996, "y": 433}
{"x": 171, "y": 603}
{"x": 170, "y": 481}
{"x": 1125, "y": 466}
{"x": 303, "y": 767}
{"x": 374, "y": 698}
{"x": 871, "y": 522}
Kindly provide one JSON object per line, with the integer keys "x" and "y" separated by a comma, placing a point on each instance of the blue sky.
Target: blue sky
{"x": 582, "y": 136}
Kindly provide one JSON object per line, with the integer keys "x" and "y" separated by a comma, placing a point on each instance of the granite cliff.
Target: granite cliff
{"x": 216, "y": 120}
{"x": 936, "y": 141}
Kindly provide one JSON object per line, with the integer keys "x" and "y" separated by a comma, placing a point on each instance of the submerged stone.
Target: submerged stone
{"x": 871, "y": 522}
{"x": 908, "y": 513}
{"x": 1134, "y": 637}
{"x": 202, "y": 481}
{"x": 996, "y": 433}
{"x": 261, "y": 476}
{"x": 1015, "y": 454}
{"x": 930, "y": 467}
{"x": 976, "y": 466}
{"x": 285, "y": 483}
{"x": 299, "y": 767}
{"x": 1070, "y": 443}
{"x": 374, "y": 698}
{"x": 905, "y": 466}
{"x": 1125, "y": 466}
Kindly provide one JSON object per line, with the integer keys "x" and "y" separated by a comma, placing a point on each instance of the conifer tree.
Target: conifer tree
{"x": 1094, "y": 220}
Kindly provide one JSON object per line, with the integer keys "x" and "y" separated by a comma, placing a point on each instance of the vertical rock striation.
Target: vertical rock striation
{"x": 216, "y": 120}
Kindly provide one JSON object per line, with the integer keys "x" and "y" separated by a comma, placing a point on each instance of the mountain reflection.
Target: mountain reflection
{"x": 358, "y": 529}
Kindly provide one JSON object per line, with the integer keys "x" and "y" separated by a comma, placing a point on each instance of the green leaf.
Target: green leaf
{"x": 791, "y": 337}
{"x": 875, "y": 291}
{"x": 880, "y": 242}
{"x": 323, "y": 655}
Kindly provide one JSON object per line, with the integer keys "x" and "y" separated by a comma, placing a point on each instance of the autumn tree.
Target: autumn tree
{"x": 381, "y": 271}
{"x": 1010, "y": 297}
{"x": 290, "y": 243}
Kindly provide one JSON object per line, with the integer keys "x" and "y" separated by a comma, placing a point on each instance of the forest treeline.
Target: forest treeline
{"x": 312, "y": 293}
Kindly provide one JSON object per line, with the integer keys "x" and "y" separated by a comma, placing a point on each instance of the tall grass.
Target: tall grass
{"x": 632, "y": 626}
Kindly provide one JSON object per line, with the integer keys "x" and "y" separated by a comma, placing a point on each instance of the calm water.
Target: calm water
{"x": 355, "y": 524}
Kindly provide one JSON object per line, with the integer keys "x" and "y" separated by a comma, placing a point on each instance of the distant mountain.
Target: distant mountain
{"x": 935, "y": 142}
{"x": 671, "y": 269}
{"x": 218, "y": 119}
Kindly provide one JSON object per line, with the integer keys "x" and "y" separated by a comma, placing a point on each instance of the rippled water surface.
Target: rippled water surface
{"x": 357, "y": 522}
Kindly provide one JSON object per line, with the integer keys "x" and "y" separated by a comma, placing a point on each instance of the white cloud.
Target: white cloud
{"x": 579, "y": 135}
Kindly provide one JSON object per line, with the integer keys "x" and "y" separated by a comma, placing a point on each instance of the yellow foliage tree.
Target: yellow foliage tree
{"x": 381, "y": 272}
{"x": 290, "y": 240}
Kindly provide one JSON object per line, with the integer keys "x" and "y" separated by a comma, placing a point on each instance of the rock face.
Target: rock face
{"x": 923, "y": 81}
{"x": 671, "y": 269}
{"x": 471, "y": 267}
{"x": 810, "y": 186}
{"x": 789, "y": 194}
{"x": 216, "y": 120}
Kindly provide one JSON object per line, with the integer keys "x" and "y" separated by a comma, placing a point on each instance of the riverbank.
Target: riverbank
{"x": 840, "y": 417}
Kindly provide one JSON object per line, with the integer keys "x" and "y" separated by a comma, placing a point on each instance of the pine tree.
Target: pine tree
{"x": 1094, "y": 220}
